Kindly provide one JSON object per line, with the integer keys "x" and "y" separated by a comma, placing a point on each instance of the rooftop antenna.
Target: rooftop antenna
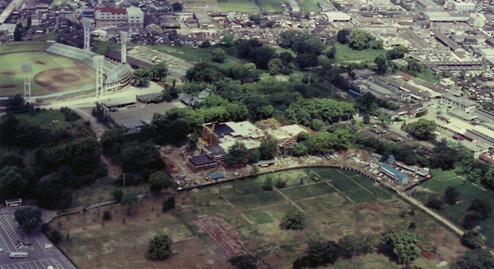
{"x": 123, "y": 39}
{"x": 27, "y": 69}
{"x": 87, "y": 25}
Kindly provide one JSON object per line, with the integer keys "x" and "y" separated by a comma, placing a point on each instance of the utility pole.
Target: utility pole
{"x": 124, "y": 180}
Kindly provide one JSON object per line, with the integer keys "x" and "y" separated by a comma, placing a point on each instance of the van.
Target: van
{"x": 19, "y": 255}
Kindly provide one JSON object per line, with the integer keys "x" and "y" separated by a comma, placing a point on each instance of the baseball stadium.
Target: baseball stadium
{"x": 56, "y": 71}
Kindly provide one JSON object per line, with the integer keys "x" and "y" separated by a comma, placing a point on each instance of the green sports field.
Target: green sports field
{"x": 50, "y": 73}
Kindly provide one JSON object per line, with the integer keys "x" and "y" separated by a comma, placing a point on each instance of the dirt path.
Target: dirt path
{"x": 114, "y": 171}
{"x": 438, "y": 217}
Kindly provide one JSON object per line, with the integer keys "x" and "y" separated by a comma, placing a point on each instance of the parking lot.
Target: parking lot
{"x": 40, "y": 250}
{"x": 38, "y": 264}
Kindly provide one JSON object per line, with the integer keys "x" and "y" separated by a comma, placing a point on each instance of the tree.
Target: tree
{"x": 397, "y": 52}
{"x": 331, "y": 53}
{"x": 218, "y": 55}
{"x": 320, "y": 253}
{"x": 471, "y": 220}
{"x": 160, "y": 247}
{"x": 267, "y": 185}
{"x": 18, "y": 32}
{"x": 12, "y": 183}
{"x": 255, "y": 18}
{"x": 243, "y": 261}
{"x": 352, "y": 246}
{"x": 238, "y": 154}
{"x": 141, "y": 76}
{"x": 275, "y": 66}
{"x": 117, "y": 195}
{"x": 268, "y": 148}
{"x": 381, "y": 66}
{"x": 159, "y": 71}
{"x": 472, "y": 239}
{"x": 451, "y": 195}
{"x": 130, "y": 200}
{"x": 343, "y": 36}
{"x": 434, "y": 203}
{"x": 293, "y": 220}
{"x": 422, "y": 129}
{"x": 300, "y": 149}
{"x": 475, "y": 259}
{"x": 228, "y": 41}
{"x": 107, "y": 215}
{"x": 177, "y": 7}
{"x": 29, "y": 218}
{"x": 444, "y": 157}
{"x": 482, "y": 207}
{"x": 305, "y": 60}
{"x": 205, "y": 44}
{"x": 168, "y": 204}
{"x": 158, "y": 181}
{"x": 404, "y": 245}
{"x": 359, "y": 39}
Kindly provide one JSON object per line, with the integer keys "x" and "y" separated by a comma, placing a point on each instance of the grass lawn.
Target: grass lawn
{"x": 330, "y": 174}
{"x": 241, "y": 212}
{"x": 308, "y": 5}
{"x": 428, "y": 75}
{"x": 258, "y": 200}
{"x": 50, "y": 120}
{"x": 344, "y": 185}
{"x": 259, "y": 217}
{"x": 324, "y": 203}
{"x": 244, "y": 6}
{"x": 345, "y": 54}
{"x": 194, "y": 55}
{"x": 468, "y": 191}
{"x": 361, "y": 195}
{"x": 101, "y": 47}
{"x": 270, "y": 5}
{"x": 312, "y": 190}
{"x": 49, "y": 36}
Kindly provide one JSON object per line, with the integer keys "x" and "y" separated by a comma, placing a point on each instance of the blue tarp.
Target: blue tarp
{"x": 216, "y": 176}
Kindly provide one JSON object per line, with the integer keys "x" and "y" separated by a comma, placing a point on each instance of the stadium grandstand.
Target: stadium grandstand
{"x": 117, "y": 76}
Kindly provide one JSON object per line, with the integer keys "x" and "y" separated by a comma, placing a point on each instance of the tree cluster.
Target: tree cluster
{"x": 422, "y": 129}
{"x": 323, "y": 252}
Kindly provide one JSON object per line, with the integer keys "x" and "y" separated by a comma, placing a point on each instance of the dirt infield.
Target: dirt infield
{"x": 58, "y": 79}
{"x": 7, "y": 86}
{"x": 8, "y": 73}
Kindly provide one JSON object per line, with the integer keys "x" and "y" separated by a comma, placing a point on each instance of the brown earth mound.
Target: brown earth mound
{"x": 40, "y": 62}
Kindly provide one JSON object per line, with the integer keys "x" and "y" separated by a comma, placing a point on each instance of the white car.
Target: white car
{"x": 47, "y": 245}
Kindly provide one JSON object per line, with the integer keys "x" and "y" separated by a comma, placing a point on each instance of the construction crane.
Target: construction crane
{"x": 211, "y": 131}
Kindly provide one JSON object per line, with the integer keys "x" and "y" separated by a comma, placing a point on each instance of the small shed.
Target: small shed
{"x": 13, "y": 202}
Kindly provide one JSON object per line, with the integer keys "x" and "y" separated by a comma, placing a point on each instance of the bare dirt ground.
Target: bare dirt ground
{"x": 58, "y": 79}
{"x": 210, "y": 225}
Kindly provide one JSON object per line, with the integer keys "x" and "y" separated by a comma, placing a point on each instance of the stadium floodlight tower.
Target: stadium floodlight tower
{"x": 27, "y": 69}
{"x": 98, "y": 62}
{"x": 123, "y": 39}
{"x": 87, "y": 25}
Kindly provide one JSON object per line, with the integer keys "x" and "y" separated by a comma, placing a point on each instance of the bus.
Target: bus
{"x": 19, "y": 255}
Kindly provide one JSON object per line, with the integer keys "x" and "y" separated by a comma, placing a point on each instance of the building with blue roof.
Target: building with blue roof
{"x": 390, "y": 171}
